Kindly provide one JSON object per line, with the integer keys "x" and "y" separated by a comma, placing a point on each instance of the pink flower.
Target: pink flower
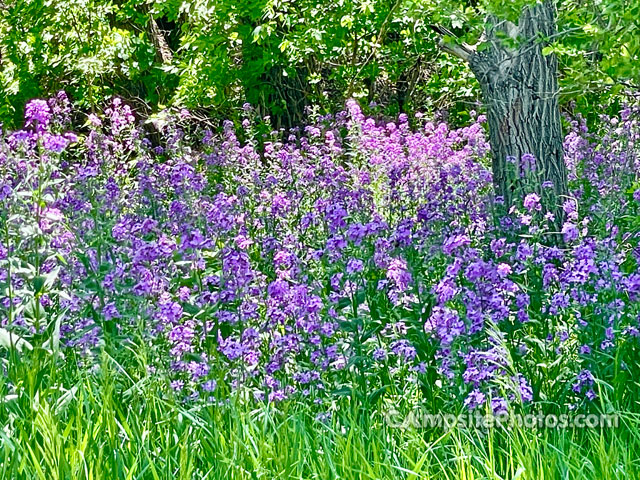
{"x": 504, "y": 269}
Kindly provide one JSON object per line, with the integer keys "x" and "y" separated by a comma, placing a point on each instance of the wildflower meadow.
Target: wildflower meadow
{"x": 311, "y": 240}
{"x": 179, "y": 302}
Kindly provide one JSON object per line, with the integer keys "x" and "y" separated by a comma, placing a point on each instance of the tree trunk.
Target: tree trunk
{"x": 163, "y": 52}
{"x": 156, "y": 35}
{"x": 520, "y": 90}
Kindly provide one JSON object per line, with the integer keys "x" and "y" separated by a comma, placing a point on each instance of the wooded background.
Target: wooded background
{"x": 283, "y": 56}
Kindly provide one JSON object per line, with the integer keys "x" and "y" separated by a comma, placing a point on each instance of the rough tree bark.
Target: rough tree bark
{"x": 520, "y": 90}
{"x": 163, "y": 51}
{"x": 157, "y": 37}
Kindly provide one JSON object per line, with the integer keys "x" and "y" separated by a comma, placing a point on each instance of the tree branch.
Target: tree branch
{"x": 462, "y": 50}
{"x": 159, "y": 41}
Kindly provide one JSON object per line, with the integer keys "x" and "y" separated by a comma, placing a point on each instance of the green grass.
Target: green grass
{"x": 110, "y": 426}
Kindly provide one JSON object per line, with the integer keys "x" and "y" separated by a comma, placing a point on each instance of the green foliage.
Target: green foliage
{"x": 83, "y": 46}
{"x": 600, "y": 53}
{"x": 119, "y": 424}
{"x": 284, "y": 56}
{"x": 597, "y": 44}
{"x": 278, "y": 56}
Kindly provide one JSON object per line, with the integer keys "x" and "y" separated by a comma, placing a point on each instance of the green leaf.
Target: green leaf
{"x": 10, "y": 340}
{"x": 548, "y": 50}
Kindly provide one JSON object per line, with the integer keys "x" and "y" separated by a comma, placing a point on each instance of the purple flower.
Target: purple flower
{"x": 583, "y": 379}
{"x": 5, "y": 190}
{"x": 498, "y": 405}
{"x": 526, "y": 392}
{"x": 570, "y": 232}
{"x": 475, "y": 399}
{"x": 532, "y": 202}
{"x": 37, "y": 114}
{"x": 399, "y": 274}
{"x": 498, "y": 246}
{"x": 209, "y": 385}
{"x": 503, "y": 269}
{"x": 528, "y": 162}
{"x": 455, "y": 242}
{"x": 404, "y": 350}
{"x": 177, "y": 385}
{"x": 447, "y": 324}
{"x": 354, "y": 265}
{"x": 55, "y": 143}
{"x": 110, "y": 312}
{"x": 379, "y": 355}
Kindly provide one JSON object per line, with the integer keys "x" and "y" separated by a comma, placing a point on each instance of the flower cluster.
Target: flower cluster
{"x": 353, "y": 253}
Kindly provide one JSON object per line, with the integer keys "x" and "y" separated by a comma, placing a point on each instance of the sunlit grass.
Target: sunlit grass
{"x": 110, "y": 426}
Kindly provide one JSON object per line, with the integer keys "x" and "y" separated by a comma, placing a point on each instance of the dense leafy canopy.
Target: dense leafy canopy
{"x": 282, "y": 56}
